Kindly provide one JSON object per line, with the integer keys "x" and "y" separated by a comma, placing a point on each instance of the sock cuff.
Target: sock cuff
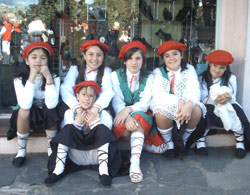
{"x": 190, "y": 130}
{"x": 164, "y": 131}
{"x": 137, "y": 134}
{"x": 104, "y": 147}
{"x": 51, "y": 133}
{"x": 25, "y": 135}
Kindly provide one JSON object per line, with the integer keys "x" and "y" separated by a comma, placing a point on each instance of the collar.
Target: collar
{"x": 89, "y": 70}
{"x": 177, "y": 71}
{"x": 129, "y": 75}
{"x": 217, "y": 80}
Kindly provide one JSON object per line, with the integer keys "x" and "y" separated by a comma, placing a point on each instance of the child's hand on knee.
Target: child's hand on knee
{"x": 131, "y": 124}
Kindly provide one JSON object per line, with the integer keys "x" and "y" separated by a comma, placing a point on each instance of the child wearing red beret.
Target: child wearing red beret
{"x": 175, "y": 98}
{"x": 37, "y": 92}
{"x": 132, "y": 86}
{"x": 84, "y": 140}
{"x": 92, "y": 68}
{"x": 218, "y": 78}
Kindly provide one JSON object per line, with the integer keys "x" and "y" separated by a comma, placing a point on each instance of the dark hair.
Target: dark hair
{"x": 207, "y": 77}
{"x": 82, "y": 67}
{"x": 25, "y": 73}
{"x": 143, "y": 72}
{"x": 184, "y": 61}
{"x": 96, "y": 94}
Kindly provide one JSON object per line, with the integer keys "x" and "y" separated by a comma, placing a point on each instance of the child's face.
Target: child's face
{"x": 217, "y": 70}
{"x": 86, "y": 97}
{"x": 172, "y": 59}
{"x": 37, "y": 58}
{"x": 94, "y": 57}
{"x": 134, "y": 63}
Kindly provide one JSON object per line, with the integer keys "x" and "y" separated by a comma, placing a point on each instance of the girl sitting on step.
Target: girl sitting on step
{"x": 84, "y": 140}
{"x": 222, "y": 109}
{"x": 37, "y": 92}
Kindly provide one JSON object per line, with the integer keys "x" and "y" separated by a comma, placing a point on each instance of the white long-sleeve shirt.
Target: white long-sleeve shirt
{"x": 26, "y": 93}
{"x": 186, "y": 85}
{"x": 232, "y": 84}
{"x": 145, "y": 96}
{"x": 69, "y": 82}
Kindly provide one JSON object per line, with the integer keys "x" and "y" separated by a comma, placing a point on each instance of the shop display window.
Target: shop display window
{"x": 69, "y": 23}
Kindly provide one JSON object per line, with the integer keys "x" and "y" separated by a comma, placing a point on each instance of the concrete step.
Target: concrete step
{"x": 37, "y": 142}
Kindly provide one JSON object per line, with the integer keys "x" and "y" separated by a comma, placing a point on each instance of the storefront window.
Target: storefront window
{"x": 69, "y": 23}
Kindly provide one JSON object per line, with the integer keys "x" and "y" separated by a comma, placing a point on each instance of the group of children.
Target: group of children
{"x": 157, "y": 111}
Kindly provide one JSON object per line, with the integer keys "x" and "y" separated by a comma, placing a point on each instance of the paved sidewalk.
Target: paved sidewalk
{"x": 219, "y": 173}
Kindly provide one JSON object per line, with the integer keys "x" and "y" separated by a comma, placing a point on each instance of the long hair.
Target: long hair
{"x": 82, "y": 67}
{"x": 184, "y": 61}
{"x": 26, "y": 72}
{"x": 207, "y": 77}
{"x": 143, "y": 72}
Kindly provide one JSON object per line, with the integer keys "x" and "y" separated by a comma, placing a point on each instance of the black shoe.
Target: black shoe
{"x": 167, "y": 15}
{"x": 163, "y": 35}
{"x": 146, "y": 10}
{"x": 170, "y": 153}
{"x": 201, "y": 151}
{"x": 19, "y": 161}
{"x": 53, "y": 178}
{"x": 105, "y": 180}
{"x": 240, "y": 153}
{"x": 182, "y": 13}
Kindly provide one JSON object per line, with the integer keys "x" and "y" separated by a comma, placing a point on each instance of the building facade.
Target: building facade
{"x": 204, "y": 25}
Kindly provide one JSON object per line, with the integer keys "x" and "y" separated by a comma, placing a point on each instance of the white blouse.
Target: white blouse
{"x": 145, "y": 96}
{"x": 26, "y": 94}
{"x": 232, "y": 84}
{"x": 186, "y": 85}
{"x": 69, "y": 82}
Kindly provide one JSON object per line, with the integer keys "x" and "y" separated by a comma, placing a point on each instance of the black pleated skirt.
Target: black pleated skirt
{"x": 70, "y": 136}
{"x": 212, "y": 120}
{"x": 40, "y": 119}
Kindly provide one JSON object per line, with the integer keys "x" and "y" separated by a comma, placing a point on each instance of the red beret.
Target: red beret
{"x": 130, "y": 45}
{"x": 91, "y": 84}
{"x": 84, "y": 24}
{"x": 37, "y": 44}
{"x": 220, "y": 57}
{"x": 169, "y": 45}
{"x": 16, "y": 24}
{"x": 6, "y": 18}
{"x": 89, "y": 43}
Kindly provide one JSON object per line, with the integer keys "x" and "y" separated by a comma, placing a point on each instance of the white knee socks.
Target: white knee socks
{"x": 136, "y": 143}
{"x": 50, "y": 134}
{"x": 103, "y": 159}
{"x": 22, "y": 143}
{"x": 201, "y": 143}
{"x": 156, "y": 149}
{"x": 167, "y": 136}
{"x": 186, "y": 135}
{"x": 62, "y": 151}
{"x": 239, "y": 138}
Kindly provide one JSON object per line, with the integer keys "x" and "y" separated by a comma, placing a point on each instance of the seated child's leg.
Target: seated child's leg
{"x": 57, "y": 174}
{"x": 62, "y": 152}
{"x": 201, "y": 143}
{"x": 165, "y": 127}
{"x": 195, "y": 118}
{"x": 136, "y": 143}
{"x": 22, "y": 136}
{"x": 103, "y": 165}
{"x": 240, "y": 148}
{"x": 50, "y": 133}
{"x": 200, "y": 148}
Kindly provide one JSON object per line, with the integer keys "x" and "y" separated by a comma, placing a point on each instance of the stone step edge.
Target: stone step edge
{"x": 39, "y": 144}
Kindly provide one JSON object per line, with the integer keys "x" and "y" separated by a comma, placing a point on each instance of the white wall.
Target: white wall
{"x": 232, "y": 32}
{"x": 246, "y": 84}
